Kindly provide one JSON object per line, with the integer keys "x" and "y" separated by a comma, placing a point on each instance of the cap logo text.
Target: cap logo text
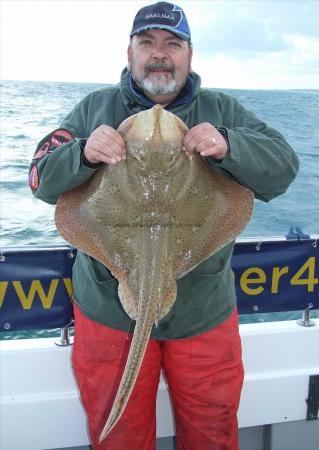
{"x": 159, "y": 16}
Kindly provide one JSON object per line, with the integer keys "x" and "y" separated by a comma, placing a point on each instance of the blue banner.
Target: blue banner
{"x": 276, "y": 276}
{"x": 36, "y": 287}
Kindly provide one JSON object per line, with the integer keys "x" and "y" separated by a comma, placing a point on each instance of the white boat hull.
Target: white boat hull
{"x": 39, "y": 400}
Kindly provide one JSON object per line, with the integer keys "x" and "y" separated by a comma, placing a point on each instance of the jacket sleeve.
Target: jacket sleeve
{"x": 259, "y": 157}
{"x": 56, "y": 166}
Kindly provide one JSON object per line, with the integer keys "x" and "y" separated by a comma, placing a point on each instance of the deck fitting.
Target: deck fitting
{"x": 306, "y": 321}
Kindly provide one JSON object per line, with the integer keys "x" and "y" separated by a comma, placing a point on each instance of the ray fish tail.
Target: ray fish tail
{"x": 154, "y": 242}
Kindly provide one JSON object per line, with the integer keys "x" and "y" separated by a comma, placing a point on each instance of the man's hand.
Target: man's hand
{"x": 105, "y": 145}
{"x": 206, "y": 140}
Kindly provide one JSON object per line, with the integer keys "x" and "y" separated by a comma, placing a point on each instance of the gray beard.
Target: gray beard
{"x": 154, "y": 88}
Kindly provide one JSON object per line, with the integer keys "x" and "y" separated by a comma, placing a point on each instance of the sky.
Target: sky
{"x": 251, "y": 44}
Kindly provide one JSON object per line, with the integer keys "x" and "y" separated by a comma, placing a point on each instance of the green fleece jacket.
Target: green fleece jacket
{"x": 259, "y": 158}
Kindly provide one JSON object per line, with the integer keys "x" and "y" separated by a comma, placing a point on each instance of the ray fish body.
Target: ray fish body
{"x": 151, "y": 219}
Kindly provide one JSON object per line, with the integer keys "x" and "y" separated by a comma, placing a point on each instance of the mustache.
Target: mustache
{"x": 159, "y": 66}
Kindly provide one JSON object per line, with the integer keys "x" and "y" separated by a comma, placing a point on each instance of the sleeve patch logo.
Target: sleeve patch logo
{"x": 64, "y": 134}
{"x": 42, "y": 151}
{"x": 55, "y": 141}
{"x": 34, "y": 178}
{"x": 58, "y": 138}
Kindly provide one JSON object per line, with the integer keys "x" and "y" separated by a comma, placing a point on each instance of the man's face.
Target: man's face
{"x": 160, "y": 63}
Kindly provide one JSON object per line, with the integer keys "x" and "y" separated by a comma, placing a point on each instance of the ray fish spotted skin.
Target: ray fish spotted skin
{"x": 151, "y": 219}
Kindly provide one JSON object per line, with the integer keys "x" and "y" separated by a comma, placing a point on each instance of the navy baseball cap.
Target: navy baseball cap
{"x": 162, "y": 16}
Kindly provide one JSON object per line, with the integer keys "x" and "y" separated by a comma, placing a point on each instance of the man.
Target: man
{"x": 197, "y": 343}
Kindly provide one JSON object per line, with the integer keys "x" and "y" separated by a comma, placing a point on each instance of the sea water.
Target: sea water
{"x": 30, "y": 110}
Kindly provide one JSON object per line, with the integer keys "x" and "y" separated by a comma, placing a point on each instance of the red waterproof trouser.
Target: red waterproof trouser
{"x": 204, "y": 375}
